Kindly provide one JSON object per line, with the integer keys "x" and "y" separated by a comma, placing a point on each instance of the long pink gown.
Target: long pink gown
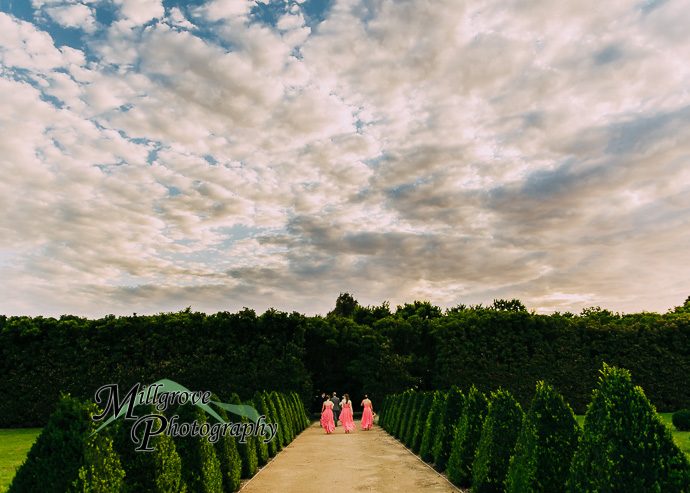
{"x": 327, "y": 419}
{"x": 346, "y": 417}
{"x": 367, "y": 417}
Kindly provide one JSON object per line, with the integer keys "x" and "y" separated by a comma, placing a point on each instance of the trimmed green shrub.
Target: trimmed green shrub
{"x": 625, "y": 446}
{"x": 273, "y": 418}
{"x": 383, "y": 412}
{"x": 404, "y": 414}
{"x": 301, "y": 414}
{"x": 283, "y": 418}
{"x": 546, "y": 445}
{"x": 261, "y": 446}
{"x": 426, "y": 449}
{"x": 421, "y": 420}
{"x": 289, "y": 417}
{"x": 466, "y": 438}
{"x": 201, "y": 469}
{"x": 409, "y": 431}
{"x": 499, "y": 434}
{"x": 681, "y": 420}
{"x": 262, "y": 408}
{"x": 452, "y": 409}
{"x": 228, "y": 455}
{"x": 158, "y": 471}
{"x": 102, "y": 471}
{"x": 65, "y": 458}
{"x": 247, "y": 450}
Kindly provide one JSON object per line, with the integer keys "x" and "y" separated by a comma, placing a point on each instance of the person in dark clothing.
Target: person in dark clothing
{"x": 336, "y": 408}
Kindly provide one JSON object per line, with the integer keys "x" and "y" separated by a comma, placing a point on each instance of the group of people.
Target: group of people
{"x": 333, "y": 410}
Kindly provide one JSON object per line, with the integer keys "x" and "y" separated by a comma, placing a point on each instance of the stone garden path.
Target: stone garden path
{"x": 359, "y": 461}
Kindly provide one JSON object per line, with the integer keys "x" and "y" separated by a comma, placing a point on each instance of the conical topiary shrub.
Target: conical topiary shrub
{"x": 261, "y": 446}
{"x": 496, "y": 445}
{"x": 466, "y": 438}
{"x": 159, "y": 471}
{"x": 450, "y": 415}
{"x": 247, "y": 450}
{"x": 422, "y": 416}
{"x": 262, "y": 408}
{"x": 412, "y": 421}
{"x": 228, "y": 455}
{"x": 426, "y": 449}
{"x": 283, "y": 420}
{"x": 201, "y": 469}
{"x": 273, "y": 418}
{"x": 625, "y": 446}
{"x": 545, "y": 446}
{"x": 403, "y": 415}
{"x": 65, "y": 457}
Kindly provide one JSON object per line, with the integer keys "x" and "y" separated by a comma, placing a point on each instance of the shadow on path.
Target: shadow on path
{"x": 359, "y": 461}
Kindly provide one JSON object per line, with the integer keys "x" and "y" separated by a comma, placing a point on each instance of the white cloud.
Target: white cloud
{"x": 138, "y": 12}
{"x": 451, "y": 152}
{"x": 75, "y": 15}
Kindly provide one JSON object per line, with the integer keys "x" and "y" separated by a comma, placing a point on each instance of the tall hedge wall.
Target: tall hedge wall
{"x": 385, "y": 352}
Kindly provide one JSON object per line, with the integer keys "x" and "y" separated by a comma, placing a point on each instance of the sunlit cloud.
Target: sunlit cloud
{"x": 237, "y": 153}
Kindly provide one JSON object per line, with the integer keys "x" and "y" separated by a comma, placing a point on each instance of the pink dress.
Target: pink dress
{"x": 367, "y": 417}
{"x": 346, "y": 417}
{"x": 327, "y": 419}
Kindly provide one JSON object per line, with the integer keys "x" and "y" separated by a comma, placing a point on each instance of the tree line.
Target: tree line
{"x": 359, "y": 350}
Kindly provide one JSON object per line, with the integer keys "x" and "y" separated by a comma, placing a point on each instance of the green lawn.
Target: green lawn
{"x": 14, "y": 445}
{"x": 682, "y": 437}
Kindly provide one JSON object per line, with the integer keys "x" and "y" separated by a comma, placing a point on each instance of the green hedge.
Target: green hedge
{"x": 625, "y": 445}
{"x": 66, "y": 458}
{"x": 388, "y": 352}
{"x": 466, "y": 438}
{"x": 433, "y": 421}
{"x": 499, "y": 434}
{"x": 452, "y": 409}
{"x": 546, "y": 444}
{"x": 681, "y": 420}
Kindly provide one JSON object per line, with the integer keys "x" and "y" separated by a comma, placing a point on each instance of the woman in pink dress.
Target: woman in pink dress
{"x": 327, "y": 416}
{"x": 346, "y": 414}
{"x": 367, "y": 415}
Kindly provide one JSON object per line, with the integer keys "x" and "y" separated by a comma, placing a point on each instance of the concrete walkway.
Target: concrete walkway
{"x": 359, "y": 461}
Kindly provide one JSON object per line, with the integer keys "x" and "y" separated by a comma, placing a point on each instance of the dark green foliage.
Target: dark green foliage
{"x": 283, "y": 419}
{"x": 263, "y": 410}
{"x": 426, "y": 449}
{"x": 466, "y": 438}
{"x": 299, "y": 405}
{"x": 496, "y": 445}
{"x": 450, "y": 415}
{"x": 546, "y": 444}
{"x": 158, "y": 471}
{"x": 292, "y": 415}
{"x": 344, "y": 306}
{"x": 102, "y": 471}
{"x": 228, "y": 455}
{"x": 201, "y": 469}
{"x": 272, "y": 416}
{"x": 625, "y": 445}
{"x": 247, "y": 450}
{"x": 403, "y": 415}
{"x": 65, "y": 458}
{"x": 412, "y": 421}
{"x": 422, "y": 416}
{"x": 168, "y": 466}
{"x": 681, "y": 420}
{"x": 261, "y": 446}
{"x": 416, "y": 346}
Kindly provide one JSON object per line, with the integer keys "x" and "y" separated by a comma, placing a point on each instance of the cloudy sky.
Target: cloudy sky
{"x": 159, "y": 154}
